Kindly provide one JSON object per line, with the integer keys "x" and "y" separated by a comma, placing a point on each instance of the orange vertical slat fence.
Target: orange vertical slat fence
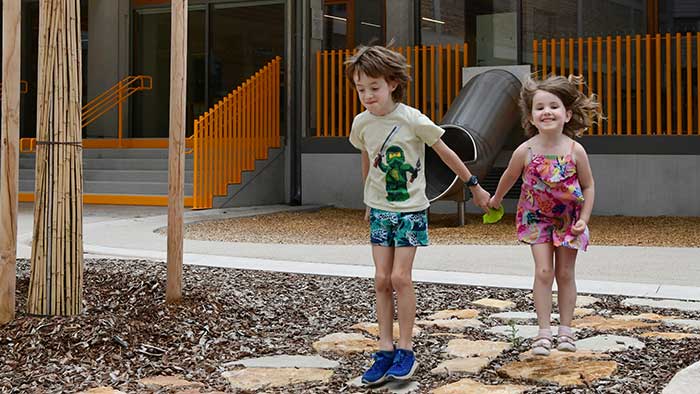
{"x": 631, "y": 73}
{"x": 436, "y": 75}
{"x": 235, "y": 132}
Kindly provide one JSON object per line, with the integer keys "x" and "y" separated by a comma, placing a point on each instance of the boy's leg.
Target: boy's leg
{"x": 402, "y": 282}
{"x": 565, "y": 269}
{"x": 383, "y": 261}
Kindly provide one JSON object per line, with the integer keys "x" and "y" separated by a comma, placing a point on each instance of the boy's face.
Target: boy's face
{"x": 375, "y": 94}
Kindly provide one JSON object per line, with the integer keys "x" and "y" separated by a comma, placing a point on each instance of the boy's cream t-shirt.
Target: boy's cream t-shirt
{"x": 396, "y": 179}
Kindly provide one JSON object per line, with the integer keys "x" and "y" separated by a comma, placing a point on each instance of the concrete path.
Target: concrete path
{"x": 634, "y": 271}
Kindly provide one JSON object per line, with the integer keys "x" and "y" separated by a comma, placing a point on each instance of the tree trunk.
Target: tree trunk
{"x": 9, "y": 156}
{"x": 56, "y": 282}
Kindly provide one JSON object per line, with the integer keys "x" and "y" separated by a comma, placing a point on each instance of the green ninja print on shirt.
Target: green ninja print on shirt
{"x": 395, "y": 170}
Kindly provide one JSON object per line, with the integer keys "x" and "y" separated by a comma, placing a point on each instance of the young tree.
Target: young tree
{"x": 56, "y": 282}
{"x": 9, "y": 153}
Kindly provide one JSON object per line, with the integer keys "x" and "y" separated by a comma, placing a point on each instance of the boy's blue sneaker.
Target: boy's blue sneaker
{"x": 404, "y": 365}
{"x": 377, "y": 372}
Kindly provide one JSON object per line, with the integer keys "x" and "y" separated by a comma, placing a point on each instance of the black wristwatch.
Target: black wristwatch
{"x": 472, "y": 181}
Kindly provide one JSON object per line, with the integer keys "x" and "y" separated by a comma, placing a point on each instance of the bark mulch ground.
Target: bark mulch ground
{"x": 127, "y": 332}
{"x": 347, "y": 227}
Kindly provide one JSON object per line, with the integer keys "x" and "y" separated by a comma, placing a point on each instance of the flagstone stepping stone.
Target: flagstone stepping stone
{"x": 341, "y": 342}
{"x": 643, "y": 316}
{"x": 258, "y": 378}
{"x": 286, "y": 361}
{"x": 395, "y": 387}
{"x": 168, "y": 381}
{"x": 685, "y": 323}
{"x": 685, "y": 381}
{"x": 494, "y": 304}
{"x": 447, "y": 334}
{"x": 669, "y": 335}
{"x": 454, "y": 314}
{"x": 102, "y": 390}
{"x": 473, "y": 387}
{"x": 583, "y": 311}
{"x": 609, "y": 343}
{"x": 581, "y": 301}
{"x": 373, "y": 328}
{"x": 563, "y": 368}
{"x": 452, "y": 324}
{"x": 687, "y": 306}
{"x": 522, "y": 331}
{"x": 519, "y": 316}
{"x": 468, "y": 348}
{"x": 467, "y": 365}
{"x": 603, "y": 324}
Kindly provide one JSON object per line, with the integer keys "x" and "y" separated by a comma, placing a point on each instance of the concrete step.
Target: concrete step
{"x": 118, "y": 175}
{"x": 128, "y": 188}
{"x": 116, "y": 164}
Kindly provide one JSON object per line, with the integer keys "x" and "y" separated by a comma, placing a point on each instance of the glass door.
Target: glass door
{"x": 151, "y": 56}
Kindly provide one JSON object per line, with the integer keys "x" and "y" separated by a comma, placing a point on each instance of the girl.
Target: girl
{"x": 556, "y": 198}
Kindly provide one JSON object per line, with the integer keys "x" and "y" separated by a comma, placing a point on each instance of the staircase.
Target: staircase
{"x": 118, "y": 176}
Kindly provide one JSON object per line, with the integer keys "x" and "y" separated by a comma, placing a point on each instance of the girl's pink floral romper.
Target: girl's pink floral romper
{"x": 550, "y": 202}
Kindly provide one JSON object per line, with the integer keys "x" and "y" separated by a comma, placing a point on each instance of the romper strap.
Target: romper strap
{"x": 529, "y": 155}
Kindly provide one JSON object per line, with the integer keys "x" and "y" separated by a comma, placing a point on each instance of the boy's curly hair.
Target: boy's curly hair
{"x": 585, "y": 110}
{"x": 377, "y": 61}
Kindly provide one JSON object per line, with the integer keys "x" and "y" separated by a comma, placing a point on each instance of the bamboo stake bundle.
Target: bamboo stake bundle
{"x": 9, "y": 156}
{"x": 55, "y": 286}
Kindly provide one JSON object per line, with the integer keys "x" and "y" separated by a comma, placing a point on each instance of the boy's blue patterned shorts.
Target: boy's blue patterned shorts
{"x": 398, "y": 228}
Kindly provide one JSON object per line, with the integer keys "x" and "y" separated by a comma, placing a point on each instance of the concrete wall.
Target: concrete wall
{"x": 399, "y": 22}
{"x": 630, "y": 185}
{"x": 108, "y": 57}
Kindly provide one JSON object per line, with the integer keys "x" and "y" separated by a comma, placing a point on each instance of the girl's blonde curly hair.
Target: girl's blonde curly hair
{"x": 585, "y": 110}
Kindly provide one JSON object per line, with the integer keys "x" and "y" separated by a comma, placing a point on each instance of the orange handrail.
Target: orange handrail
{"x": 103, "y": 103}
{"x": 632, "y": 73}
{"x": 435, "y": 83}
{"x": 235, "y": 132}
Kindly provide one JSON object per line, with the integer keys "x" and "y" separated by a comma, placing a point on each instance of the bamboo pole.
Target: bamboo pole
{"x": 56, "y": 278}
{"x": 176, "y": 148}
{"x": 9, "y": 155}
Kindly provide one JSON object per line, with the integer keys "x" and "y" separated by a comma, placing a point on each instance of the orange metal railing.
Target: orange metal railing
{"x": 238, "y": 130}
{"x": 436, "y": 79}
{"x": 100, "y": 105}
{"x": 646, "y": 84}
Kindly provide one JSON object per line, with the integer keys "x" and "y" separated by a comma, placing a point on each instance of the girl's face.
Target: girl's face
{"x": 548, "y": 113}
{"x": 375, "y": 94}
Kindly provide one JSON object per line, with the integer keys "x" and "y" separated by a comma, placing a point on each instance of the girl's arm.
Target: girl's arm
{"x": 450, "y": 158}
{"x": 365, "y": 172}
{"x": 510, "y": 175}
{"x": 585, "y": 178}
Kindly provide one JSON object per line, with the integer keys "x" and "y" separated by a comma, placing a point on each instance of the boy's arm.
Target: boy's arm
{"x": 450, "y": 158}
{"x": 365, "y": 172}
{"x": 585, "y": 179}
{"x": 510, "y": 176}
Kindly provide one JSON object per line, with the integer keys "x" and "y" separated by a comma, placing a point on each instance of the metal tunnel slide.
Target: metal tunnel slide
{"x": 476, "y": 125}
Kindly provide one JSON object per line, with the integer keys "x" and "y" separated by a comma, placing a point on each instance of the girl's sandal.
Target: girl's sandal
{"x": 566, "y": 343}
{"x": 541, "y": 346}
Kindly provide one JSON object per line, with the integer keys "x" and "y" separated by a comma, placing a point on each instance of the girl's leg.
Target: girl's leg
{"x": 544, "y": 278}
{"x": 402, "y": 281}
{"x": 383, "y": 260}
{"x": 565, "y": 269}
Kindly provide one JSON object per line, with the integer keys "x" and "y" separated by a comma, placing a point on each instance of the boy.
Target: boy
{"x": 392, "y": 137}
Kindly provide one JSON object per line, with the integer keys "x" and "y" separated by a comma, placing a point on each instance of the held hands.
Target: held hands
{"x": 481, "y": 197}
{"x": 579, "y": 227}
{"x": 495, "y": 203}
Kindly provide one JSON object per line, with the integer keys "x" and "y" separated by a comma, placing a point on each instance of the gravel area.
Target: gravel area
{"x": 127, "y": 332}
{"x": 347, "y": 227}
